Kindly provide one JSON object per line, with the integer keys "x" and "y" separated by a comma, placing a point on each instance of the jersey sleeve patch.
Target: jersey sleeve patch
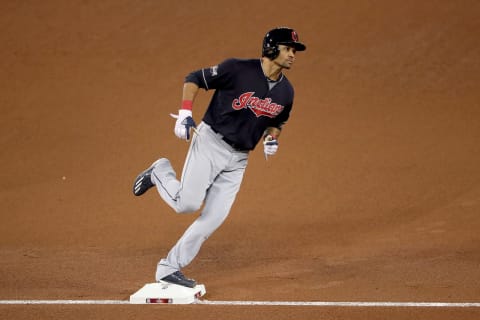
{"x": 214, "y": 71}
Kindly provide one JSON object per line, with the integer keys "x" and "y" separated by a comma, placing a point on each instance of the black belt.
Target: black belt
{"x": 232, "y": 144}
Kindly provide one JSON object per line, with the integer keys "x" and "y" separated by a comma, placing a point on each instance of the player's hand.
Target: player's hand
{"x": 270, "y": 146}
{"x": 184, "y": 124}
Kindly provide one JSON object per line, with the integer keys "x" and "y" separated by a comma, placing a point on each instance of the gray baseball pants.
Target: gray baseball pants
{"x": 212, "y": 175}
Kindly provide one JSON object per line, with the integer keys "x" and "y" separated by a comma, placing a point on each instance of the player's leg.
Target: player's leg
{"x": 188, "y": 194}
{"x": 218, "y": 203}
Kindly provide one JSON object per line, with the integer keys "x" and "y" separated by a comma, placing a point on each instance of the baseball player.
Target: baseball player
{"x": 251, "y": 103}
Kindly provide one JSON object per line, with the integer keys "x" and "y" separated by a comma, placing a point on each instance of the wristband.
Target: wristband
{"x": 187, "y": 105}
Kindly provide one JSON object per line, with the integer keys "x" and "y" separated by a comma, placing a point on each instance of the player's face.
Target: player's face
{"x": 286, "y": 57}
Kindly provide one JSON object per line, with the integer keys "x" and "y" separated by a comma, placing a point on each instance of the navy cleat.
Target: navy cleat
{"x": 144, "y": 182}
{"x": 178, "y": 278}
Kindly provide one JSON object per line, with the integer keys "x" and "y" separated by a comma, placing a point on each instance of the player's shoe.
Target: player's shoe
{"x": 179, "y": 278}
{"x": 144, "y": 182}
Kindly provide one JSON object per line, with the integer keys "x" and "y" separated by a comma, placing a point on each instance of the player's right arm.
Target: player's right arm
{"x": 207, "y": 78}
{"x": 190, "y": 90}
{"x": 184, "y": 118}
{"x": 215, "y": 77}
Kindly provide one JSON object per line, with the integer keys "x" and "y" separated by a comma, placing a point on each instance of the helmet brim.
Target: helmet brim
{"x": 297, "y": 45}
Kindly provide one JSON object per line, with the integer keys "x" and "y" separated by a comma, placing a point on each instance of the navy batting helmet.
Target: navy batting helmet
{"x": 281, "y": 35}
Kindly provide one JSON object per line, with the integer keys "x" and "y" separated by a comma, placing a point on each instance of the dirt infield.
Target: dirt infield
{"x": 373, "y": 196}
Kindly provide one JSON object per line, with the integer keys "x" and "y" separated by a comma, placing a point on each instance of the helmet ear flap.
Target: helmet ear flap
{"x": 270, "y": 47}
{"x": 271, "y": 52}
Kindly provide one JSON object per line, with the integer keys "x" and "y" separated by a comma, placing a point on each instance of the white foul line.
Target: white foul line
{"x": 263, "y": 303}
{"x": 64, "y": 302}
{"x": 344, "y": 304}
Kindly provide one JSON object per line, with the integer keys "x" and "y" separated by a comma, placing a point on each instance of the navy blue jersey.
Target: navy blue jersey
{"x": 243, "y": 104}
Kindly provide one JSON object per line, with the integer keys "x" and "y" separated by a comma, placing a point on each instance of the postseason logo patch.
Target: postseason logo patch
{"x": 214, "y": 71}
{"x": 260, "y": 107}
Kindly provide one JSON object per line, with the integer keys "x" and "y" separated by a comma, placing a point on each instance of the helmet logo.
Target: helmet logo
{"x": 294, "y": 36}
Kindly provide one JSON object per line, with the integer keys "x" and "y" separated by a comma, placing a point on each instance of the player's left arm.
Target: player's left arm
{"x": 272, "y": 132}
{"x": 276, "y": 126}
{"x": 270, "y": 141}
